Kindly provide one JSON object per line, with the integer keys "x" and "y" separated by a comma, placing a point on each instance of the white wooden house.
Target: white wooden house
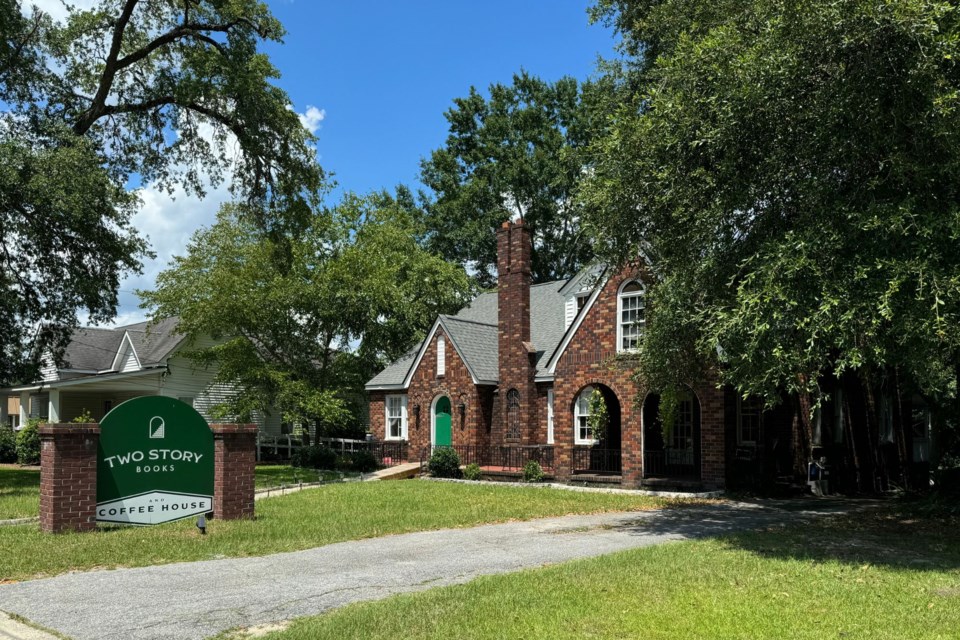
{"x": 104, "y": 367}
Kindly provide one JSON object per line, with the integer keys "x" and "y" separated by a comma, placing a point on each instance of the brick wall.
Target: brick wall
{"x": 68, "y": 477}
{"x": 234, "y": 458}
{"x": 516, "y": 357}
{"x": 425, "y": 387}
{"x": 591, "y": 359}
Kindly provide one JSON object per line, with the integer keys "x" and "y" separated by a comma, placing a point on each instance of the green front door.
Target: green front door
{"x": 443, "y": 434}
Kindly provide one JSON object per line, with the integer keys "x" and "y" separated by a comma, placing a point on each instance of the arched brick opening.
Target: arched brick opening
{"x": 601, "y": 457}
{"x": 674, "y": 452}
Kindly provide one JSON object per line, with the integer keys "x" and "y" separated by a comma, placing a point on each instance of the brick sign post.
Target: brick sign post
{"x": 137, "y": 468}
{"x": 68, "y": 477}
{"x": 235, "y": 454}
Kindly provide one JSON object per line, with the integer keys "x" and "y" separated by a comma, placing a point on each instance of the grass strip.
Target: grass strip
{"x": 19, "y": 492}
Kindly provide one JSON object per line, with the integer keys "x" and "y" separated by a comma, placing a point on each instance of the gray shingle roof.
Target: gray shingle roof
{"x": 396, "y": 372}
{"x": 92, "y": 348}
{"x": 474, "y": 332}
{"x": 476, "y": 342}
{"x": 155, "y": 342}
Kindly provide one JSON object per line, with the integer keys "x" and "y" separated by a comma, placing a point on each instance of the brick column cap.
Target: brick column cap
{"x": 57, "y": 428}
{"x": 231, "y": 428}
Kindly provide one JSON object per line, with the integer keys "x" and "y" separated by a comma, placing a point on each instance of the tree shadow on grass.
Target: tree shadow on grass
{"x": 855, "y": 532}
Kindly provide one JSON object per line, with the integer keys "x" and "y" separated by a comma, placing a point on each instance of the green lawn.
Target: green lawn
{"x": 20, "y": 488}
{"x": 332, "y": 513}
{"x": 276, "y": 475}
{"x": 19, "y": 492}
{"x": 885, "y": 577}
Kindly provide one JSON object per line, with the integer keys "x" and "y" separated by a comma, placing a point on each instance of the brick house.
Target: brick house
{"x": 510, "y": 378}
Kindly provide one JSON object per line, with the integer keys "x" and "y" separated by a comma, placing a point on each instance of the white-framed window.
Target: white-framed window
{"x": 441, "y": 356}
{"x": 186, "y": 399}
{"x": 749, "y": 420}
{"x": 582, "y": 431}
{"x": 396, "y": 418}
{"x": 549, "y": 416}
{"x": 582, "y": 300}
{"x": 631, "y": 315}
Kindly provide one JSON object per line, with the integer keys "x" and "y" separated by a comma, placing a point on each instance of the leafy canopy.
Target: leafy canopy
{"x": 518, "y": 152}
{"x": 357, "y": 293}
{"x": 166, "y": 92}
{"x": 792, "y": 171}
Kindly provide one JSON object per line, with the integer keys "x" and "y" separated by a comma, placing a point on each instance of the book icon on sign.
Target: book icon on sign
{"x": 157, "y": 427}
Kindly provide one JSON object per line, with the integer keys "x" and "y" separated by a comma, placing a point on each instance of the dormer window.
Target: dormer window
{"x": 631, "y": 315}
{"x": 582, "y": 301}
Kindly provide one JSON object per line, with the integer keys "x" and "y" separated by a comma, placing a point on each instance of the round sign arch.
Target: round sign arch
{"x": 154, "y": 462}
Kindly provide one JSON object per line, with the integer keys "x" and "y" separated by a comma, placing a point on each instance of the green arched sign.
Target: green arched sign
{"x": 154, "y": 462}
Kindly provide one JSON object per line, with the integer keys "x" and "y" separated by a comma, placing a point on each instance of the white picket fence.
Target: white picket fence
{"x": 284, "y": 446}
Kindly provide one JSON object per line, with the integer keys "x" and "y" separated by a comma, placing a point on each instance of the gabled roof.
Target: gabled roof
{"x": 474, "y": 333}
{"x": 550, "y": 364}
{"x": 96, "y": 350}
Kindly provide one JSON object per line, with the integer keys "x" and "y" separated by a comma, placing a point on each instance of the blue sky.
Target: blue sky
{"x": 385, "y": 72}
{"x": 374, "y": 79}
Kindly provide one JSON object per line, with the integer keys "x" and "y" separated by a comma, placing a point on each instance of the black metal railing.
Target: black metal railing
{"x": 669, "y": 463}
{"x": 388, "y": 453}
{"x": 497, "y": 457}
{"x": 596, "y": 461}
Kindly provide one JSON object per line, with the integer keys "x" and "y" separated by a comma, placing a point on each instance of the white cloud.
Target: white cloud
{"x": 168, "y": 221}
{"x": 57, "y": 9}
{"x": 312, "y": 118}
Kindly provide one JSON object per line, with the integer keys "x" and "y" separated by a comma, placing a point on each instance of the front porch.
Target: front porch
{"x": 588, "y": 465}
{"x": 500, "y": 461}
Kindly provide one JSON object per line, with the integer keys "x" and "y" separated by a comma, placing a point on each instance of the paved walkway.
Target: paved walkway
{"x": 199, "y": 599}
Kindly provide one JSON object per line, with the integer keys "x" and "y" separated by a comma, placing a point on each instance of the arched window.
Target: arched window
{"x": 582, "y": 429}
{"x": 630, "y": 316}
{"x": 513, "y": 414}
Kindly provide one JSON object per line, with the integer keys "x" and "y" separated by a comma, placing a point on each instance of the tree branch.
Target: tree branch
{"x": 195, "y": 30}
{"x": 109, "y": 72}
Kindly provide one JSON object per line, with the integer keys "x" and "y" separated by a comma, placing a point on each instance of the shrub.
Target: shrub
{"x": 363, "y": 461}
{"x": 314, "y": 458}
{"x": 445, "y": 463}
{"x": 8, "y": 444}
{"x": 472, "y": 471}
{"x": 84, "y": 418}
{"x": 28, "y": 443}
{"x": 532, "y": 471}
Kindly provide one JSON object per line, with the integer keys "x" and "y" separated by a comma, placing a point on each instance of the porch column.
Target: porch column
{"x": 24, "y": 407}
{"x": 53, "y": 412}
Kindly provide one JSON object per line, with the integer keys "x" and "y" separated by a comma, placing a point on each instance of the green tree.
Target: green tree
{"x": 167, "y": 92}
{"x": 791, "y": 171}
{"x": 358, "y": 292}
{"x": 520, "y": 152}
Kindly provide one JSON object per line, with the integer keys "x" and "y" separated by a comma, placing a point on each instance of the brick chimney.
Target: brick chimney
{"x": 515, "y": 350}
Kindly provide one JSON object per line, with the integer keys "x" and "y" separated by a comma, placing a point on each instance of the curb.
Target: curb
{"x": 566, "y": 487}
{"x": 17, "y": 629}
{"x": 14, "y": 521}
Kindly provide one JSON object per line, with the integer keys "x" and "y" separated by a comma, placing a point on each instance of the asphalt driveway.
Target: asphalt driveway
{"x": 199, "y": 599}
